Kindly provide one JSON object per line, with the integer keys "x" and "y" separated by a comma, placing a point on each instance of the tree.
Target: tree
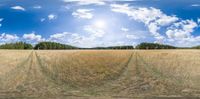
{"x": 154, "y": 46}
{"x": 53, "y": 45}
{"x": 17, "y": 45}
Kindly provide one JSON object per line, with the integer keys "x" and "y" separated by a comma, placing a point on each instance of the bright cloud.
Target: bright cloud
{"x": 195, "y": 5}
{"x": 33, "y": 38}
{"x": 42, "y": 19}
{"x": 176, "y": 29}
{"x": 153, "y": 18}
{"x": 52, "y": 16}
{"x": 59, "y": 37}
{"x": 131, "y": 36}
{"x": 8, "y": 38}
{"x": 18, "y": 8}
{"x": 96, "y": 32}
{"x": 87, "y": 2}
{"x": 1, "y": 19}
{"x": 83, "y": 13}
{"x": 124, "y": 29}
{"x": 180, "y": 30}
{"x": 37, "y": 7}
{"x": 77, "y": 39}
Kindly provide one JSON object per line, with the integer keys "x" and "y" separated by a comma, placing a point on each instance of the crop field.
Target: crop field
{"x": 102, "y": 74}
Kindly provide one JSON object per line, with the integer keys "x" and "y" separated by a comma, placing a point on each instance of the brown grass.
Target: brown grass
{"x": 106, "y": 73}
{"x": 85, "y": 68}
{"x": 9, "y": 59}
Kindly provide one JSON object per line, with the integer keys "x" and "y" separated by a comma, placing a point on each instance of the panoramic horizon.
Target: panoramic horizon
{"x": 104, "y": 23}
{"x": 99, "y": 49}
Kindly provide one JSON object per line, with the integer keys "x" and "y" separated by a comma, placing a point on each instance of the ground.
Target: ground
{"x": 99, "y": 74}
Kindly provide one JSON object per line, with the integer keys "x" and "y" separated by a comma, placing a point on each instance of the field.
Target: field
{"x": 99, "y": 74}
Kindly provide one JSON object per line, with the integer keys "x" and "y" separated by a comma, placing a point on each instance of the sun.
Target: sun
{"x": 100, "y": 24}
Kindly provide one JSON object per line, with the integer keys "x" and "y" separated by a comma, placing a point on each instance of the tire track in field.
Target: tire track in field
{"x": 27, "y": 80}
{"x": 37, "y": 84}
{"x": 12, "y": 79}
{"x": 125, "y": 81}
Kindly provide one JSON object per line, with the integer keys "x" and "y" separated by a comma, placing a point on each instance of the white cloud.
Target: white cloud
{"x": 198, "y": 20}
{"x": 76, "y": 39}
{"x": 178, "y": 31}
{"x": 42, "y": 19}
{"x": 181, "y": 30}
{"x": 83, "y": 13}
{"x": 124, "y": 29}
{"x": 1, "y": 19}
{"x": 18, "y": 8}
{"x": 195, "y": 5}
{"x": 8, "y": 37}
{"x": 153, "y": 18}
{"x": 33, "y": 38}
{"x": 87, "y": 2}
{"x": 52, "y": 16}
{"x": 96, "y": 32}
{"x": 37, "y": 7}
{"x": 66, "y": 38}
{"x": 59, "y": 36}
{"x": 131, "y": 36}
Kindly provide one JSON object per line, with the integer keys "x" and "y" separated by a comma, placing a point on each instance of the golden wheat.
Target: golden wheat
{"x": 100, "y": 73}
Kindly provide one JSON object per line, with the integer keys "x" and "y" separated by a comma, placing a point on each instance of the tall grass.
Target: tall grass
{"x": 179, "y": 66}
{"x": 84, "y": 68}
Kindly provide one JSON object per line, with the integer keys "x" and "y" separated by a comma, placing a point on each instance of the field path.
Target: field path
{"x": 27, "y": 80}
{"x": 32, "y": 79}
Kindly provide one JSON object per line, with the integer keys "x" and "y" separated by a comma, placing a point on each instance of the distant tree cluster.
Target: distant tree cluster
{"x": 52, "y": 45}
{"x": 196, "y": 47}
{"x": 115, "y": 47}
{"x": 154, "y": 46}
{"x": 17, "y": 45}
{"x": 59, "y": 46}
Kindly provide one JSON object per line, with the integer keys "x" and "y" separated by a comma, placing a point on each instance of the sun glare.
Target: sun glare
{"x": 100, "y": 24}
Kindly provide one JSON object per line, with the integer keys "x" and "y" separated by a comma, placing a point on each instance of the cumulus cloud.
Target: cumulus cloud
{"x": 6, "y": 38}
{"x": 52, "y": 16}
{"x": 124, "y": 29}
{"x": 77, "y": 39}
{"x": 198, "y": 20}
{"x": 195, "y": 5}
{"x": 37, "y": 7}
{"x": 180, "y": 33}
{"x": 83, "y": 13}
{"x": 176, "y": 30}
{"x": 42, "y": 19}
{"x": 18, "y": 8}
{"x": 87, "y": 2}
{"x": 67, "y": 38}
{"x": 59, "y": 36}
{"x": 96, "y": 32}
{"x": 182, "y": 29}
{"x": 1, "y": 19}
{"x": 33, "y": 38}
{"x": 153, "y": 18}
{"x": 131, "y": 36}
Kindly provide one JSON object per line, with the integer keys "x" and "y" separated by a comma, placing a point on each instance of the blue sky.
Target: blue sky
{"x": 91, "y": 23}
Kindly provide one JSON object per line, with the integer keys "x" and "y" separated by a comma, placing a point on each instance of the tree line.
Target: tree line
{"x": 59, "y": 46}
{"x": 154, "y": 46}
{"x": 53, "y": 45}
{"x": 17, "y": 45}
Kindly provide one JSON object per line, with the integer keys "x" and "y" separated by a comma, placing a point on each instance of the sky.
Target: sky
{"x": 93, "y": 23}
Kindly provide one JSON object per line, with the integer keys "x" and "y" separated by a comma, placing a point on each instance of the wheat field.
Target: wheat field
{"x": 58, "y": 74}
